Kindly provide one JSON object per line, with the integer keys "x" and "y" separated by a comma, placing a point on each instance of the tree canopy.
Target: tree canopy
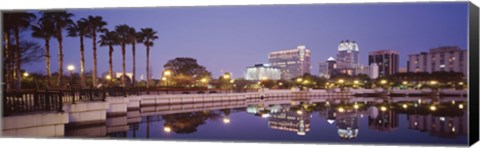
{"x": 187, "y": 66}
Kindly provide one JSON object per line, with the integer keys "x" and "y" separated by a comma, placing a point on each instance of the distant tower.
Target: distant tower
{"x": 348, "y": 53}
{"x": 327, "y": 68}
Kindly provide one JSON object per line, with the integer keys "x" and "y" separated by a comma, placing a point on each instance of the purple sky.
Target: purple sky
{"x": 231, "y": 38}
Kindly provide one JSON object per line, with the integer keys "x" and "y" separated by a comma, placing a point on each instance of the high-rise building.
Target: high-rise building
{"x": 292, "y": 63}
{"x": 263, "y": 72}
{"x": 444, "y": 58}
{"x": 348, "y": 57}
{"x": 327, "y": 68}
{"x": 387, "y": 61}
{"x": 348, "y": 54}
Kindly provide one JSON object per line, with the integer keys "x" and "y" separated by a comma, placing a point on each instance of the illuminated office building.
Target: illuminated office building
{"x": 387, "y": 61}
{"x": 292, "y": 63}
{"x": 444, "y": 58}
{"x": 263, "y": 72}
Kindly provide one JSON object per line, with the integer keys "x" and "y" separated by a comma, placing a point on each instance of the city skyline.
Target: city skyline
{"x": 240, "y": 36}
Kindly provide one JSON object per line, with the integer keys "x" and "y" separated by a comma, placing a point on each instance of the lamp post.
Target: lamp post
{"x": 26, "y": 74}
{"x": 109, "y": 78}
{"x": 340, "y": 82}
{"x": 166, "y": 75}
{"x": 70, "y": 68}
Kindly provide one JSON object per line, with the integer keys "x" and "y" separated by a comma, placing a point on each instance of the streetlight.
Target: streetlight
{"x": 383, "y": 82}
{"x": 341, "y": 81}
{"x": 71, "y": 68}
{"x": 356, "y": 82}
{"x": 299, "y": 79}
{"x": 306, "y": 82}
{"x": 26, "y": 74}
{"x": 433, "y": 82}
{"x": 383, "y": 108}
{"x": 226, "y": 76}
{"x": 355, "y": 106}
{"x": 167, "y": 73}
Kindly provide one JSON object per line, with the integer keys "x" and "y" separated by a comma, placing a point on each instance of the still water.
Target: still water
{"x": 440, "y": 121}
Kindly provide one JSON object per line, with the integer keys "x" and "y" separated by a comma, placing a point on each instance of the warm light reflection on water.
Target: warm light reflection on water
{"x": 365, "y": 120}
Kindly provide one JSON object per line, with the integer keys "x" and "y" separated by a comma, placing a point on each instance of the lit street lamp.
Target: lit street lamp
{"x": 356, "y": 82}
{"x": 226, "y": 76}
{"x": 26, "y": 74}
{"x": 299, "y": 79}
{"x": 167, "y": 73}
{"x": 70, "y": 68}
{"x": 383, "y": 82}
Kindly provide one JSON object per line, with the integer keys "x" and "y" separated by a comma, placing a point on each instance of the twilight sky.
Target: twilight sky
{"x": 231, "y": 38}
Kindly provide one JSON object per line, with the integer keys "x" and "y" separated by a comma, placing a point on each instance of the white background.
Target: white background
{"x": 73, "y": 143}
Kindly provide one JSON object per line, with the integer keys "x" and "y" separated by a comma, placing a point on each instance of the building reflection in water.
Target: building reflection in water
{"x": 382, "y": 118}
{"x": 347, "y": 125}
{"x": 446, "y": 122}
{"x": 290, "y": 119}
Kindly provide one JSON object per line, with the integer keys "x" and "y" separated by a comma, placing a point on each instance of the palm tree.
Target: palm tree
{"x": 60, "y": 19}
{"x": 123, "y": 36}
{"x": 147, "y": 36}
{"x": 133, "y": 36}
{"x": 109, "y": 38}
{"x": 81, "y": 30}
{"x": 44, "y": 30}
{"x": 16, "y": 22}
{"x": 95, "y": 25}
{"x": 8, "y": 74}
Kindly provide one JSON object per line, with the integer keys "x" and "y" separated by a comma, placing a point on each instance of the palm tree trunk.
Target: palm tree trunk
{"x": 18, "y": 64}
{"x": 82, "y": 62}
{"x": 123, "y": 65}
{"x": 148, "y": 67}
{"x": 94, "y": 75}
{"x": 110, "y": 62}
{"x": 6, "y": 53}
{"x": 133, "y": 66}
{"x": 60, "y": 60}
{"x": 47, "y": 62}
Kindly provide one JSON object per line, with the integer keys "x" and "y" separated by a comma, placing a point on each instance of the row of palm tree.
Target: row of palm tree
{"x": 15, "y": 22}
{"x": 53, "y": 23}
